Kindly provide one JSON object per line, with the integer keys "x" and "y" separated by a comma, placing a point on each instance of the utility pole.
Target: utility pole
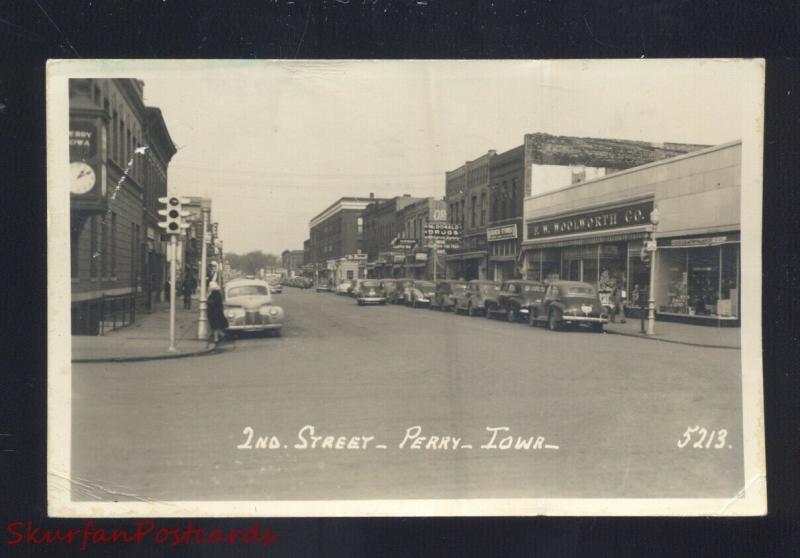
{"x": 202, "y": 323}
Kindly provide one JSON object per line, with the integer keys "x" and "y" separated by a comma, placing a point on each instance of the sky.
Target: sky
{"x": 274, "y": 143}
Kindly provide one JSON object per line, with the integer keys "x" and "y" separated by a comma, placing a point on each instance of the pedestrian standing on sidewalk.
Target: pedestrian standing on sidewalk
{"x": 215, "y": 313}
{"x": 617, "y": 305}
{"x": 187, "y": 288}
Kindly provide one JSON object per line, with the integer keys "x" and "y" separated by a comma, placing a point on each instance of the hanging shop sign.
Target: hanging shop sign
{"x": 602, "y": 220}
{"x": 503, "y": 232}
{"x": 442, "y": 235}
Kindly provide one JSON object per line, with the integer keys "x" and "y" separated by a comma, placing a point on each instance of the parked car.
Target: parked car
{"x": 275, "y": 286}
{"x": 249, "y": 307}
{"x": 370, "y": 291}
{"x": 472, "y": 300}
{"x": 569, "y": 303}
{"x": 420, "y": 294}
{"x": 351, "y": 288}
{"x": 514, "y": 299}
{"x": 342, "y": 288}
{"x": 323, "y": 286}
{"x": 443, "y": 297}
{"x": 389, "y": 286}
{"x": 398, "y": 296}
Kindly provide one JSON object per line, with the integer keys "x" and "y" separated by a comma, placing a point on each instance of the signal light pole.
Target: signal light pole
{"x": 174, "y": 224}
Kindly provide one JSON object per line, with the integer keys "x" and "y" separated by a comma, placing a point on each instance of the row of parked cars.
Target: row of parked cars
{"x": 556, "y": 305}
{"x": 299, "y": 282}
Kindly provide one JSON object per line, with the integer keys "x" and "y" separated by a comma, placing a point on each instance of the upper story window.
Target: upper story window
{"x": 360, "y": 225}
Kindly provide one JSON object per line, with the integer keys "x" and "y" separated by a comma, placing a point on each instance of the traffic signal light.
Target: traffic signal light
{"x": 174, "y": 221}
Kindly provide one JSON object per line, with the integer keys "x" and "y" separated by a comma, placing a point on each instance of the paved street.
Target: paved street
{"x": 614, "y": 406}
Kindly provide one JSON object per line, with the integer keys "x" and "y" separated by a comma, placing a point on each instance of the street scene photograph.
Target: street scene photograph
{"x": 405, "y": 287}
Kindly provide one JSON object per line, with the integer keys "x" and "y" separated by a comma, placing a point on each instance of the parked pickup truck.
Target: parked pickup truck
{"x": 514, "y": 299}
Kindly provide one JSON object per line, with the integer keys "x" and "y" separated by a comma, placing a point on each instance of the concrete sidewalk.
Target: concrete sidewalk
{"x": 685, "y": 334}
{"x": 146, "y": 339}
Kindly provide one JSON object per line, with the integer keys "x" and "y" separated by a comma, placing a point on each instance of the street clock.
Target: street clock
{"x": 82, "y": 178}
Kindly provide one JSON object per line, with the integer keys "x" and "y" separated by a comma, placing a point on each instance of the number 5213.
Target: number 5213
{"x": 701, "y": 438}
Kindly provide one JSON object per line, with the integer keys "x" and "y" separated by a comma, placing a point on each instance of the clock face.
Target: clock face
{"x": 82, "y": 178}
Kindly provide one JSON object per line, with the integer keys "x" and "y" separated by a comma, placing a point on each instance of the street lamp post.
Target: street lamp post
{"x": 651, "y": 302}
{"x": 202, "y": 323}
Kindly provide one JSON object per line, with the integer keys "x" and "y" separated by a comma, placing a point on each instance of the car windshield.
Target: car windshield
{"x": 579, "y": 290}
{"x": 247, "y": 290}
{"x": 489, "y": 287}
{"x": 424, "y": 285}
{"x": 534, "y": 288}
{"x": 371, "y": 284}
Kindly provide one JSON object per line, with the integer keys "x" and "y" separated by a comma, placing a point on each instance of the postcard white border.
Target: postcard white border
{"x": 750, "y": 501}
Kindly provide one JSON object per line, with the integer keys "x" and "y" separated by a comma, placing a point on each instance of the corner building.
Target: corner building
{"x": 594, "y": 231}
{"x": 117, "y": 255}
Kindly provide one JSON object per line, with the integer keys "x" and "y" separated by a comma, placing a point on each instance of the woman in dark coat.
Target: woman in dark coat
{"x": 215, "y": 313}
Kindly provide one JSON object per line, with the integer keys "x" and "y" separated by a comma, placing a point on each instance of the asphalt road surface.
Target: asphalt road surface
{"x": 601, "y": 415}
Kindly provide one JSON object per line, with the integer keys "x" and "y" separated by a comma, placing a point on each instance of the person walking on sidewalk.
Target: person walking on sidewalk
{"x": 215, "y": 313}
{"x": 187, "y": 288}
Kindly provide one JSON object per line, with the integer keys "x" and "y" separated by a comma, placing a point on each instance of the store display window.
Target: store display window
{"x": 699, "y": 281}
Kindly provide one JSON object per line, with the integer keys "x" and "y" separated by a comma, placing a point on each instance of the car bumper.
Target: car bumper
{"x": 371, "y": 299}
{"x": 255, "y": 327}
{"x": 584, "y": 320}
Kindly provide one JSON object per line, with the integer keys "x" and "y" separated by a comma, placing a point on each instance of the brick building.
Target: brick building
{"x": 292, "y": 261}
{"x": 381, "y": 226}
{"x": 419, "y": 264}
{"x": 117, "y": 255}
{"x": 336, "y": 236}
{"x": 467, "y": 198}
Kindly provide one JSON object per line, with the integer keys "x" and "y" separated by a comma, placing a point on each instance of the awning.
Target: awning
{"x": 465, "y": 256}
{"x": 584, "y": 240}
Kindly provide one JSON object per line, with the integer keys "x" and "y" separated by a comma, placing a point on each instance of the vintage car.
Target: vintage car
{"x": 569, "y": 303}
{"x": 370, "y": 291}
{"x": 323, "y": 286}
{"x": 398, "y": 296}
{"x": 343, "y": 288}
{"x": 351, "y": 289}
{"x": 472, "y": 300}
{"x": 443, "y": 296}
{"x": 389, "y": 286}
{"x": 420, "y": 293}
{"x": 514, "y": 299}
{"x": 275, "y": 286}
{"x": 249, "y": 307}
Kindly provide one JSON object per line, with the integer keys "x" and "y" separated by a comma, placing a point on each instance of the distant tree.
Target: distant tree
{"x": 251, "y": 262}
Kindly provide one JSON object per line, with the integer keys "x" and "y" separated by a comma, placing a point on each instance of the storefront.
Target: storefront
{"x": 503, "y": 243}
{"x": 595, "y": 232}
{"x": 466, "y": 265}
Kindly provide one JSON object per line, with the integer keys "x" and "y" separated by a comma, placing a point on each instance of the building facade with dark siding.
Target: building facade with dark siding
{"x": 117, "y": 257}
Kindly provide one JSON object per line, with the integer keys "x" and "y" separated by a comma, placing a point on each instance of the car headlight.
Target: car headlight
{"x": 234, "y": 312}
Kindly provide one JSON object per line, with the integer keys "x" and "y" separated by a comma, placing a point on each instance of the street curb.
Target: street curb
{"x": 169, "y": 356}
{"x": 640, "y": 336}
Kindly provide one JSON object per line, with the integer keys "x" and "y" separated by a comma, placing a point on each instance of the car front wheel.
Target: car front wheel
{"x": 511, "y": 315}
{"x": 470, "y": 310}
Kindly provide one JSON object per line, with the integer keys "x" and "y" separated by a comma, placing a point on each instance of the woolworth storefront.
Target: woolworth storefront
{"x": 596, "y": 232}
